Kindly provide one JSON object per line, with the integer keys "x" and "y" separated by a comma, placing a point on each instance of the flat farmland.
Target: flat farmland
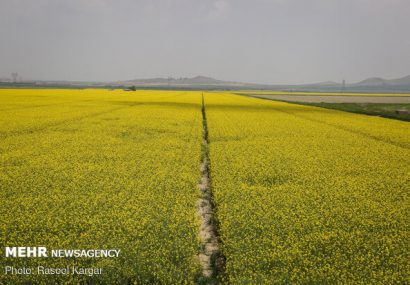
{"x": 309, "y": 195}
{"x": 291, "y": 193}
{"x": 98, "y": 169}
{"x": 335, "y": 98}
{"x": 301, "y": 93}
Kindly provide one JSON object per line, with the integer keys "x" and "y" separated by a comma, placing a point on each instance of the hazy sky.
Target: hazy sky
{"x": 264, "y": 41}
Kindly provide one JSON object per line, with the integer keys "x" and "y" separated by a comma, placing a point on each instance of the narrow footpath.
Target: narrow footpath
{"x": 210, "y": 256}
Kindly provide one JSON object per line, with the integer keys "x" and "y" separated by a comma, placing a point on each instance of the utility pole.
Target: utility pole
{"x": 14, "y": 77}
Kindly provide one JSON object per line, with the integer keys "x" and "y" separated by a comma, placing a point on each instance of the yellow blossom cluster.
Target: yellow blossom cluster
{"x": 306, "y": 195}
{"x": 101, "y": 169}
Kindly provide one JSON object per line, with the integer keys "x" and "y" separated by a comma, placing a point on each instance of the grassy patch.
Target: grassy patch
{"x": 373, "y": 109}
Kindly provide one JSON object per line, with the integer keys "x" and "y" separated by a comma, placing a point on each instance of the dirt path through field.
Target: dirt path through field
{"x": 210, "y": 256}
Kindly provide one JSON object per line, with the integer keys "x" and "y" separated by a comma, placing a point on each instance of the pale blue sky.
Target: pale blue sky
{"x": 264, "y": 41}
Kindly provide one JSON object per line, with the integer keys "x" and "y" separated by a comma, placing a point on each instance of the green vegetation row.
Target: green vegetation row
{"x": 372, "y": 109}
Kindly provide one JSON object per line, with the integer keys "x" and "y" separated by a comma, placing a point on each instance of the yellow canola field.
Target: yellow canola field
{"x": 302, "y": 194}
{"x": 309, "y": 195}
{"x": 100, "y": 169}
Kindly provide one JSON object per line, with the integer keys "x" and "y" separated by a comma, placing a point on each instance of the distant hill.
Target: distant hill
{"x": 197, "y": 80}
{"x": 374, "y": 84}
{"x": 374, "y": 81}
{"x": 401, "y": 81}
{"x": 325, "y": 83}
{"x": 377, "y": 81}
